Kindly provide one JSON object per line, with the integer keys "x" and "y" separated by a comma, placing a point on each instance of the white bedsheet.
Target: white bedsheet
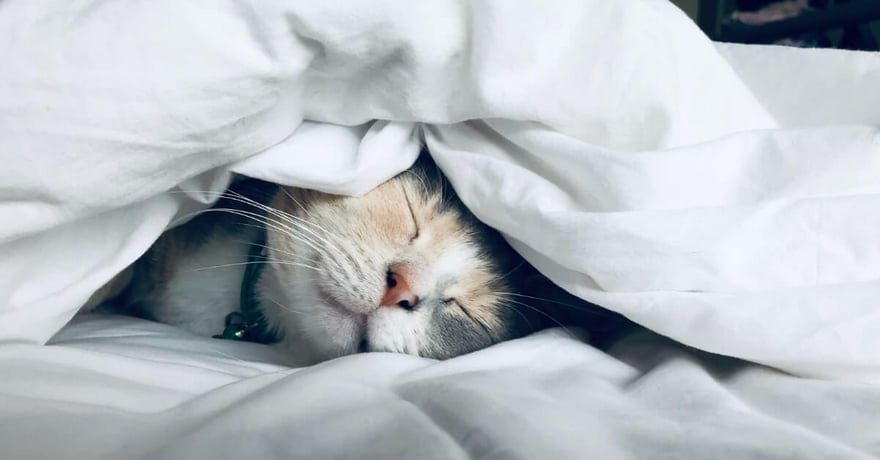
{"x": 113, "y": 388}
{"x": 725, "y": 196}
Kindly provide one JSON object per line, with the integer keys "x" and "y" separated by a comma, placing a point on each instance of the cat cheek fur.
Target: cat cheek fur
{"x": 454, "y": 334}
{"x": 311, "y": 330}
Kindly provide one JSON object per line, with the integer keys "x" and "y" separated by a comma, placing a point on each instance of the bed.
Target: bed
{"x": 724, "y": 197}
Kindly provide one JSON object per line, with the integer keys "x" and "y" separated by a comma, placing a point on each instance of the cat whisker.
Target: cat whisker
{"x": 545, "y": 314}
{"x": 584, "y": 308}
{"x": 239, "y": 198}
{"x": 284, "y": 307}
{"x": 297, "y": 203}
{"x": 520, "y": 264}
{"x": 256, "y": 262}
{"x": 287, "y": 217}
{"x": 327, "y": 233}
{"x": 266, "y": 221}
{"x": 294, "y": 257}
{"x": 269, "y": 223}
{"x": 425, "y": 189}
{"x": 522, "y": 315}
{"x": 180, "y": 220}
{"x": 318, "y": 244}
{"x": 326, "y": 239}
{"x": 482, "y": 325}
{"x": 281, "y": 251}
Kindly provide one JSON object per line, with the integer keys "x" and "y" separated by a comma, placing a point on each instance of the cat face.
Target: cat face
{"x": 405, "y": 268}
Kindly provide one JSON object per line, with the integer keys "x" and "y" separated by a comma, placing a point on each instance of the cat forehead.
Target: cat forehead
{"x": 453, "y": 259}
{"x": 387, "y": 210}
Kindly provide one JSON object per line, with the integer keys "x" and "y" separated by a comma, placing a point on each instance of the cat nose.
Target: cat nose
{"x": 398, "y": 290}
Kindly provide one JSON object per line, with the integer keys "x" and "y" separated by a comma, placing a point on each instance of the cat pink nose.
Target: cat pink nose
{"x": 398, "y": 290}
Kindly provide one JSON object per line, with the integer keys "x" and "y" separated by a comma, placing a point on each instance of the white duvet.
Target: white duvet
{"x": 725, "y": 196}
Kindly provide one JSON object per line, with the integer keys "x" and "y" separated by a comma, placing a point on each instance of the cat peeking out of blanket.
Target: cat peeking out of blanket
{"x": 405, "y": 268}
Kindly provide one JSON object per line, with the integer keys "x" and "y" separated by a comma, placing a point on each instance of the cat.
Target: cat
{"x": 405, "y": 268}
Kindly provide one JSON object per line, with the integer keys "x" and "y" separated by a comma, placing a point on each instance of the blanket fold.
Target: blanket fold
{"x": 725, "y": 196}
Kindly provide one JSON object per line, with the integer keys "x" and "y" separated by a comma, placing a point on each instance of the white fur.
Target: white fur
{"x": 312, "y": 330}
{"x": 198, "y": 296}
{"x": 454, "y": 260}
{"x": 397, "y": 330}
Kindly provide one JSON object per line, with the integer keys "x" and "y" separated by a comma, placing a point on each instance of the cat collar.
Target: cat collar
{"x": 249, "y": 324}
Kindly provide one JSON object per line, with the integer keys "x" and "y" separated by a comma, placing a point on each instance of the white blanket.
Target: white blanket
{"x": 129, "y": 389}
{"x": 725, "y": 196}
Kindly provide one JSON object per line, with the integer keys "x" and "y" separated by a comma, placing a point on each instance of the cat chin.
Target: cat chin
{"x": 398, "y": 331}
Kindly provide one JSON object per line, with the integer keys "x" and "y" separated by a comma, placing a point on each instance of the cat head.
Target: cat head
{"x": 405, "y": 268}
